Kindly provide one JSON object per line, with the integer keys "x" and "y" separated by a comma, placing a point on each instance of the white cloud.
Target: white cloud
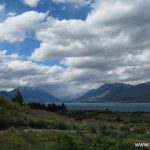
{"x": 78, "y": 3}
{"x": 31, "y": 3}
{"x": 15, "y": 28}
{"x": 16, "y": 72}
{"x": 110, "y": 27}
{"x": 110, "y": 45}
{"x": 79, "y": 75}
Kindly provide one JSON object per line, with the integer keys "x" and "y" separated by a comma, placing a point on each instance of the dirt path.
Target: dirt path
{"x": 36, "y": 130}
{"x": 8, "y": 130}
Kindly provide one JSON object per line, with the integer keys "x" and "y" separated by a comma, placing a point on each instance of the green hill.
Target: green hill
{"x": 4, "y": 104}
{"x": 23, "y": 128}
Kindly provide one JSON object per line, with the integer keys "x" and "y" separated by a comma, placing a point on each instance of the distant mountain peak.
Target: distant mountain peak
{"x": 32, "y": 94}
{"x": 113, "y": 91}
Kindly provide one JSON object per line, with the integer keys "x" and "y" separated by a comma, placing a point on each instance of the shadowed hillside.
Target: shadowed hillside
{"x": 118, "y": 92}
{"x": 32, "y": 94}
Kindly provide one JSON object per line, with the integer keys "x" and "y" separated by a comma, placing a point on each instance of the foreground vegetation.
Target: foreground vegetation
{"x": 23, "y": 128}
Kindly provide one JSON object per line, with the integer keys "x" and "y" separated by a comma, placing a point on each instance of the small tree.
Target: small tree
{"x": 63, "y": 106}
{"x": 18, "y": 98}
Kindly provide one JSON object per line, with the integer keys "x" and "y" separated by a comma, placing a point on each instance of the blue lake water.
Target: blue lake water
{"x": 123, "y": 107}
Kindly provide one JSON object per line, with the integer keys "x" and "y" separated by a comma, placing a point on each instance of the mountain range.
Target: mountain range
{"x": 118, "y": 92}
{"x": 32, "y": 94}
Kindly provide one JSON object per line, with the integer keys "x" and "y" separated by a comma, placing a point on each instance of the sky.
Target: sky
{"x": 68, "y": 47}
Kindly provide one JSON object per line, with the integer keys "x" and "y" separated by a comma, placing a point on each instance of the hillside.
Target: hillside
{"x": 5, "y": 94}
{"x": 118, "y": 92}
{"x": 23, "y": 128}
{"x": 32, "y": 94}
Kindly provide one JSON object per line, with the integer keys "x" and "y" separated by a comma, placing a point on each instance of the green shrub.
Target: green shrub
{"x": 26, "y": 108}
{"x": 118, "y": 119}
{"x": 127, "y": 145}
{"x": 21, "y": 122}
{"x": 62, "y": 126}
{"x": 4, "y": 123}
{"x": 104, "y": 143}
{"x": 7, "y": 122}
{"x": 126, "y": 130}
{"x": 5, "y": 104}
{"x": 140, "y": 130}
{"x": 93, "y": 129}
{"x": 38, "y": 124}
{"x": 65, "y": 142}
{"x": 105, "y": 130}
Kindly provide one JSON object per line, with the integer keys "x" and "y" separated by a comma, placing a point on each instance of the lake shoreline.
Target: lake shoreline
{"x": 119, "y": 107}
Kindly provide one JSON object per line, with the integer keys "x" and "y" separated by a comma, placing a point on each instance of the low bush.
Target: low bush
{"x": 5, "y": 123}
{"x": 65, "y": 142}
{"x": 5, "y": 104}
{"x": 38, "y": 124}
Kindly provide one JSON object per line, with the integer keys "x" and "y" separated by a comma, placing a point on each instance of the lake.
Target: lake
{"x": 123, "y": 107}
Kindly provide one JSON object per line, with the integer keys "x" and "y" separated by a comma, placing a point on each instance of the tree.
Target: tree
{"x": 63, "y": 106}
{"x": 18, "y": 98}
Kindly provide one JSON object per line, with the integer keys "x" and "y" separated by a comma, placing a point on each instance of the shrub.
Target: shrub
{"x": 65, "y": 142}
{"x": 38, "y": 124}
{"x": 140, "y": 130}
{"x": 4, "y": 123}
{"x": 5, "y": 104}
{"x": 105, "y": 130}
{"x": 104, "y": 143}
{"x": 118, "y": 119}
{"x": 7, "y": 122}
{"x": 62, "y": 126}
{"x": 26, "y": 108}
{"x": 21, "y": 122}
{"x": 93, "y": 129}
{"x": 127, "y": 145}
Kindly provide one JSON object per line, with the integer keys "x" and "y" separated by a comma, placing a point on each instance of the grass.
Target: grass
{"x": 22, "y": 128}
{"x": 94, "y": 130}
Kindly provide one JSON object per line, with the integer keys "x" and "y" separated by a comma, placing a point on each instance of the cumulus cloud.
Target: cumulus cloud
{"x": 31, "y": 3}
{"x": 110, "y": 45}
{"x": 101, "y": 32}
{"x": 16, "y": 27}
{"x": 16, "y": 72}
{"x": 79, "y": 75}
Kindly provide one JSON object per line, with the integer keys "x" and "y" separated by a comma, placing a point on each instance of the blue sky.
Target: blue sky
{"x": 69, "y": 47}
{"x": 57, "y": 10}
